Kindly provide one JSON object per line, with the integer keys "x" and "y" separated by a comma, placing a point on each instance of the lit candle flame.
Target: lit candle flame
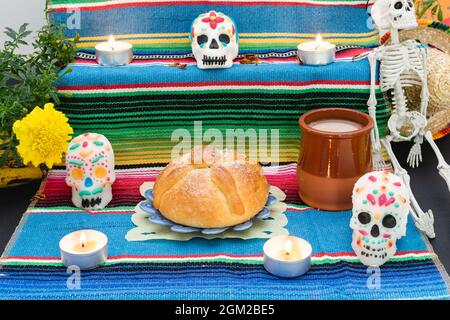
{"x": 288, "y": 246}
{"x": 318, "y": 41}
{"x": 111, "y": 41}
{"x": 319, "y": 38}
{"x": 83, "y": 239}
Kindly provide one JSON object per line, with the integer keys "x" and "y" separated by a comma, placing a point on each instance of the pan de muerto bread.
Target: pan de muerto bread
{"x": 210, "y": 188}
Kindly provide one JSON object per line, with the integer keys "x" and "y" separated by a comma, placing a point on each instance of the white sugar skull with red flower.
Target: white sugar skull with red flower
{"x": 214, "y": 40}
{"x": 90, "y": 171}
{"x": 380, "y": 213}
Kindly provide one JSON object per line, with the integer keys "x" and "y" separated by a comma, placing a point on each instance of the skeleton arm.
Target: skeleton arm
{"x": 415, "y": 154}
{"x": 424, "y": 94}
{"x": 443, "y": 166}
{"x": 423, "y": 220}
{"x": 378, "y": 161}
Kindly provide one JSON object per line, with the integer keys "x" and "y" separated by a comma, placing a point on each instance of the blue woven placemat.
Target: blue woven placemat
{"x": 200, "y": 268}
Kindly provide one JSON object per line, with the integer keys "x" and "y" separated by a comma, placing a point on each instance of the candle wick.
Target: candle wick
{"x": 82, "y": 245}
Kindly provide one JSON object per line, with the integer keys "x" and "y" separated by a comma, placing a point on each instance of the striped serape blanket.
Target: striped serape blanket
{"x": 162, "y": 26}
{"x": 139, "y": 106}
{"x": 200, "y": 268}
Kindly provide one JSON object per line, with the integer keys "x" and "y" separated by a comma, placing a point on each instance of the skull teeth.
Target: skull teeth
{"x": 89, "y": 203}
{"x": 377, "y": 253}
{"x": 210, "y": 61}
{"x": 367, "y": 247}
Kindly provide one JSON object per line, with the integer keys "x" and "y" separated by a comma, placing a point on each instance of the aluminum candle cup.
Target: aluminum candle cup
{"x": 114, "y": 53}
{"x": 86, "y": 249}
{"x": 316, "y": 53}
{"x": 287, "y": 256}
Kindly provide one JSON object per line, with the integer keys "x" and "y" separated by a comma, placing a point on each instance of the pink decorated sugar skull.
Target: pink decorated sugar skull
{"x": 394, "y": 14}
{"x": 90, "y": 171}
{"x": 214, "y": 40}
{"x": 380, "y": 212}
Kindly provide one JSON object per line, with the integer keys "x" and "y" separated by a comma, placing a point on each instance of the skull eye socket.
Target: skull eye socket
{"x": 398, "y": 5}
{"x": 224, "y": 38}
{"x": 389, "y": 221}
{"x": 202, "y": 39}
{"x": 100, "y": 172}
{"x": 364, "y": 217}
{"x": 77, "y": 173}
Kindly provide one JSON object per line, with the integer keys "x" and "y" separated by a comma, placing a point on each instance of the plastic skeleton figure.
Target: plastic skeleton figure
{"x": 402, "y": 64}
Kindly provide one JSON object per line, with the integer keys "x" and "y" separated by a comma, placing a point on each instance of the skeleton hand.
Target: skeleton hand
{"x": 424, "y": 222}
{"x": 415, "y": 154}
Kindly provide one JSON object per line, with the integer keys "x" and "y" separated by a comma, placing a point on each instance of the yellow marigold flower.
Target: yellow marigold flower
{"x": 43, "y": 136}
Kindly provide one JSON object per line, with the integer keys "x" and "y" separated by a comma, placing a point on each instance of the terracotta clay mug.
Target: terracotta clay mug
{"x": 335, "y": 152}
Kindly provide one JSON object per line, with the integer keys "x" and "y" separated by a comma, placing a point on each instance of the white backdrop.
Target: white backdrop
{"x": 15, "y": 12}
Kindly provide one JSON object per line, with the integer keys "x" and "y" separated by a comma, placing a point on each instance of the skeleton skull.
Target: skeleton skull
{"x": 380, "y": 212}
{"x": 214, "y": 40}
{"x": 90, "y": 171}
{"x": 396, "y": 14}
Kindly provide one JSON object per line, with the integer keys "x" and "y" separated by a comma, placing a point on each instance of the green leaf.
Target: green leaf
{"x": 23, "y": 27}
{"x": 426, "y": 6}
{"x": 26, "y": 34}
{"x": 8, "y": 74}
{"x": 11, "y": 33}
{"x": 17, "y": 159}
{"x": 4, "y": 157}
{"x": 27, "y": 81}
{"x": 8, "y": 30}
{"x": 440, "y": 14}
{"x": 434, "y": 10}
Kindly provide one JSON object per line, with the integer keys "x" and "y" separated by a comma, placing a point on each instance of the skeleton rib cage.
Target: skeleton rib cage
{"x": 401, "y": 62}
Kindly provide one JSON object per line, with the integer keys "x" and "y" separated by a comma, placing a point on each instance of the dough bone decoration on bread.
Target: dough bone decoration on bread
{"x": 210, "y": 188}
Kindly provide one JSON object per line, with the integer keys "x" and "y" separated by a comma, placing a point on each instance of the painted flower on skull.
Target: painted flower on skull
{"x": 213, "y": 19}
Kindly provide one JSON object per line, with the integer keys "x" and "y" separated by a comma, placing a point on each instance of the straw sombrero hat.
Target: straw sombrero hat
{"x": 437, "y": 36}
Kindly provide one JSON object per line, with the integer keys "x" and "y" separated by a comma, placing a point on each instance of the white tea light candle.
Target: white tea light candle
{"x": 316, "y": 52}
{"x": 114, "y": 53}
{"x": 86, "y": 249}
{"x": 335, "y": 125}
{"x": 287, "y": 256}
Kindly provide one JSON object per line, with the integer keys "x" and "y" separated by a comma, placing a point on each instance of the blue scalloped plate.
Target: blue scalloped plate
{"x": 157, "y": 218}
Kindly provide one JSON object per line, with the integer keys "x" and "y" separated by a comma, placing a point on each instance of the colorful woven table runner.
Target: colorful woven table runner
{"x": 200, "y": 268}
{"x": 139, "y": 106}
{"x": 162, "y": 26}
